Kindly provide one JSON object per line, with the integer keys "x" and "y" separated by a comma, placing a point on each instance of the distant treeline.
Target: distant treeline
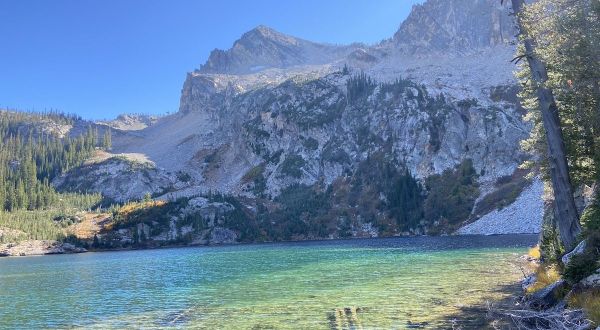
{"x": 32, "y": 155}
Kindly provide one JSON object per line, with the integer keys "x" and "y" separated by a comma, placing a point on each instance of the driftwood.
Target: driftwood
{"x": 556, "y": 318}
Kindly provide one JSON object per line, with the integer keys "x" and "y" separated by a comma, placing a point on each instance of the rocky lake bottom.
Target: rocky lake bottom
{"x": 386, "y": 283}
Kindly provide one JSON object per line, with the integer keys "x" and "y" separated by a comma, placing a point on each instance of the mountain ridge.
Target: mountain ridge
{"x": 277, "y": 116}
{"x": 264, "y": 47}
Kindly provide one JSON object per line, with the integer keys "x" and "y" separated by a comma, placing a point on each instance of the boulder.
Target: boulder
{"x": 528, "y": 281}
{"x": 548, "y": 296}
{"x": 70, "y": 248}
{"x": 53, "y": 247}
{"x": 577, "y": 250}
{"x": 592, "y": 281}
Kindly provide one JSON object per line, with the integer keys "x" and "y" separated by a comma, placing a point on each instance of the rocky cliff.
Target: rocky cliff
{"x": 276, "y": 114}
{"x": 460, "y": 26}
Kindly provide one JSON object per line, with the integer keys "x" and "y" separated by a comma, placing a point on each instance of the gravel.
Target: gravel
{"x": 524, "y": 216}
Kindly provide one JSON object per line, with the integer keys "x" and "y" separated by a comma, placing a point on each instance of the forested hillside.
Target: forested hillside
{"x": 32, "y": 154}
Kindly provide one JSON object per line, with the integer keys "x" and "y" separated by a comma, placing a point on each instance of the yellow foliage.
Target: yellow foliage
{"x": 589, "y": 301}
{"x": 534, "y": 252}
{"x": 131, "y": 207}
{"x": 545, "y": 275}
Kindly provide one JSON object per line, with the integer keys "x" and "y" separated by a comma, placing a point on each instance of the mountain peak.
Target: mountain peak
{"x": 264, "y": 30}
{"x": 263, "y": 48}
{"x": 262, "y": 33}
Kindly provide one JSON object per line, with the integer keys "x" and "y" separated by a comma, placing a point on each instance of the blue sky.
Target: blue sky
{"x": 105, "y": 57}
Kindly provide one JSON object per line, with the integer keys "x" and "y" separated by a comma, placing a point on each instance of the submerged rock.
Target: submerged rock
{"x": 177, "y": 318}
{"x": 416, "y": 325}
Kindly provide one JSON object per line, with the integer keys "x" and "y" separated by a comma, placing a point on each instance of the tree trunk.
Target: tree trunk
{"x": 566, "y": 211}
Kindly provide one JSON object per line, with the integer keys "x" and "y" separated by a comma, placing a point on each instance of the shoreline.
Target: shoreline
{"x": 72, "y": 249}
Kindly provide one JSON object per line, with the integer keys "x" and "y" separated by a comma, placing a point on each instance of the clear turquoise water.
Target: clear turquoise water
{"x": 373, "y": 283}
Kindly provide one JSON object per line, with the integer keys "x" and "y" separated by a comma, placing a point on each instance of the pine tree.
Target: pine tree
{"x": 566, "y": 211}
{"x": 107, "y": 139}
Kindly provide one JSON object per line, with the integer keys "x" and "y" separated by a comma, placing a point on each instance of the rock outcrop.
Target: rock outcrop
{"x": 118, "y": 178}
{"x": 38, "y": 247}
{"x": 276, "y": 111}
{"x": 457, "y": 26}
{"x": 592, "y": 281}
{"x": 579, "y": 249}
{"x": 131, "y": 122}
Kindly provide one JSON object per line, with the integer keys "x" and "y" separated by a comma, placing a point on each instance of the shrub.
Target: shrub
{"x": 334, "y": 154}
{"x": 535, "y": 252}
{"x": 311, "y": 144}
{"x": 257, "y": 177}
{"x": 253, "y": 173}
{"x": 275, "y": 157}
{"x": 143, "y": 212}
{"x": 586, "y": 263}
{"x": 66, "y": 220}
{"x": 467, "y": 103}
{"x": 580, "y": 267}
{"x": 591, "y": 217}
{"x": 211, "y": 158}
{"x": 183, "y": 176}
{"x": 292, "y": 166}
{"x": 545, "y": 275}
{"x": 508, "y": 189}
{"x": 589, "y": 301}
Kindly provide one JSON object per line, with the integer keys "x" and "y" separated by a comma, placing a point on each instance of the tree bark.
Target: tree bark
{"x": 567, "y": 217}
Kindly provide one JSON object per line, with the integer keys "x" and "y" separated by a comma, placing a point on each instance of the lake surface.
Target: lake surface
{"x": 368, "y": 283}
